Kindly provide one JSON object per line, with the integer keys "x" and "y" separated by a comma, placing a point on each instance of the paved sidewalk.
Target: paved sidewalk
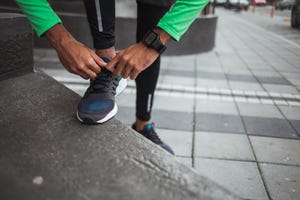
{"x": 233, "y": 114}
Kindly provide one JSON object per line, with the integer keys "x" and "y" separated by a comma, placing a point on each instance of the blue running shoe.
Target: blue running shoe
{"x": 150, "y": 133}
{"x": 98, "y": 103}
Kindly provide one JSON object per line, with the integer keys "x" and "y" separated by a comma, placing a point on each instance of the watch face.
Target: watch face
{"x": 150, "y": 38}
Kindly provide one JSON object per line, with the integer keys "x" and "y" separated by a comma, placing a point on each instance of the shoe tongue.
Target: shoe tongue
{"x": 105, "y": 59}
{"x": 148, "y": 127}
{"x": 119, "y": 78}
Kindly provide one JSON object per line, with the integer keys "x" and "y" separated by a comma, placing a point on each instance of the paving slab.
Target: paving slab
{"x": 223, "y": 146}
{"x": 126, "y": 99}
{"x": 216, "y": 107}
{"x": 176, "y": 72}
{"x": 210, "y": 75}
{"x": 263, "y": 66}
{"x": 241, "y": 177}
{"x": 269, "y": 127}
{"x": 280, "y": 88}
{"x": 238, "y": 85}
{"x": 273, "y": 80}
{"x": 173, "y": 120}
{"x": 241, "y": 78}
{"x": 259, "y": 110}
{"x": 212, "y": 83}
{"x": 179, "y": 104}
{"x": 177, "y": 80}
{"x": 238, "y": 71}
{"x": 296, "y": 125}
{"x": 295, "y": 81}
{"x": 219, "y": 123}
{"x": 283, "y": 182}
{"x": 231, "y": 68}
{"x": 291, "y": 75}
{"x": 180, "y": 141}
{"x": 210, "y": 69}
{"x": 266, "y": 74}
{"x": 276, "y": 150}
{"x": 230, "y": 61}
{"x": 291, "y": 112}
{"x": 126, "y": 115}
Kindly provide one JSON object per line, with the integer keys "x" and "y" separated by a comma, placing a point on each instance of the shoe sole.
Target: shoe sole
{"x": 110, "y": 115}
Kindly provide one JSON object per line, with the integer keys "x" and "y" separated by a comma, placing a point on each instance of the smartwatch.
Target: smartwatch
{"x": 152, "y": 40}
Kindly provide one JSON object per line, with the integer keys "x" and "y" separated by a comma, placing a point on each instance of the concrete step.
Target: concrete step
{"x": 47, "y": 154}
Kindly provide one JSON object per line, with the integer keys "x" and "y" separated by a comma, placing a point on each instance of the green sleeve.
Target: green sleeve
{"x": 178, "y": 19}
{"x": 40, "y": 14}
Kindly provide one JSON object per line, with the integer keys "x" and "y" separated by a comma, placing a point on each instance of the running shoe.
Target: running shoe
{"x": 98, "y": 103}
{"x": 150, "y": 133}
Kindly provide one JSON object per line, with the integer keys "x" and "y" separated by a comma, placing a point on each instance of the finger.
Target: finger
{"x": 134, "y": 74}
{"x": 83, "y": 75}
{"x": 126, "y": 71}
{"x": 91, "y": 74}
{"x": 92, "y": 65}
{"x": 86, "y": 72}
{"x": 112, "y": 64}
{"x": 119, "y": 69}
{"x": 120, "y": 66}
{"x": 98, "y": 60}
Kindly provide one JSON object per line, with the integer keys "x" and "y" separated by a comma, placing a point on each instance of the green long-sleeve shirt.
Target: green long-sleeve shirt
{"x": 175, "y": 22}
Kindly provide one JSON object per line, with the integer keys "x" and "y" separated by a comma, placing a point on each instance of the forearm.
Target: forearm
{"x": 178, "y": 19}
{"x": 40, "y": 14}
{"x": 58, "y": 36}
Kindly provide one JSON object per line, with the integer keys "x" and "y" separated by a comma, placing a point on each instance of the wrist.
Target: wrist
{"x": 163, "y": 35}
{"x": 156, "y": 40}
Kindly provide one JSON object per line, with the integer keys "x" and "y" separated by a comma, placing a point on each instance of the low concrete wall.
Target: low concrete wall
{"x": 199, "y": 38}
{"x": 16, "y": 49}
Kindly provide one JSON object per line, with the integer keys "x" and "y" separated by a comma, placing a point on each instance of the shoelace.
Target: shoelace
{"x": 101, "y": 83}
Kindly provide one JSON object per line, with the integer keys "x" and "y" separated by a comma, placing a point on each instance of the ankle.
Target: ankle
{"x": 140, "y": 125}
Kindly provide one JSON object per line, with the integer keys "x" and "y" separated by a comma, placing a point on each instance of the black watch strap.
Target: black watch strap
{"x": 152, "y": 40}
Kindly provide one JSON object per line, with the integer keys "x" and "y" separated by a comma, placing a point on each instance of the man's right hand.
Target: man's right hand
{"x": 76, "y": 57}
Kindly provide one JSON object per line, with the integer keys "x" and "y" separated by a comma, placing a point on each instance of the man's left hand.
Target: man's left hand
{"x": 132, "y": 60}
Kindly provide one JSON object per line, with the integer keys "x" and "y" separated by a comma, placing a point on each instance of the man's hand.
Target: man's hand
{"x": 136, "y": 58}
{"x": 76, "y": 57}
{"x": 132, "y": 60}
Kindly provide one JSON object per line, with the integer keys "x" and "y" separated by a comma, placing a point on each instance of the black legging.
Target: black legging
{"x": 101, "y": 17}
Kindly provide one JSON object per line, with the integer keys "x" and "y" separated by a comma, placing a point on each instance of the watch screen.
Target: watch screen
{"x": 149, "y": 39}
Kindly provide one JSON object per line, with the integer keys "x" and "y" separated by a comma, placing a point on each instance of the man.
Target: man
{"x": 157, "y": 22}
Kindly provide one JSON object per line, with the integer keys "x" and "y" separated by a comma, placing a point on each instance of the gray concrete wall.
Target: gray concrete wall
{"x": 16, "y": 49}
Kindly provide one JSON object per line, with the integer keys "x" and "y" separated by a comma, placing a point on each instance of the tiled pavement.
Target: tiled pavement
{"x": 233, "y": 113}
